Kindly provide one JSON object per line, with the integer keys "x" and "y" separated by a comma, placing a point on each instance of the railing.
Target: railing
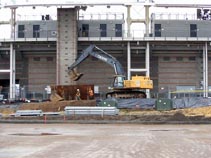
{"x": 173, "y": 16}
{"x": 99, "y": 16}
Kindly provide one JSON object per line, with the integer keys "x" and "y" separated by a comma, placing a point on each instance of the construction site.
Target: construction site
{"x": 108, "y": 79}
{"x": 152, "y": 64}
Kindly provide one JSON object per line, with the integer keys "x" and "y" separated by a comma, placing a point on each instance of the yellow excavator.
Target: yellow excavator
{"x": 122, "y": 88}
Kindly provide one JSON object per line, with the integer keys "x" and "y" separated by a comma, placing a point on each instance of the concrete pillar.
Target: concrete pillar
{"x": 12, "y": 73}
{"x": 66, "y": 43}
{"x": 147, "y": 20}
{"x": 147, "y": 65}
{"x": 128, "y": 20}
{"x": 128, "y": 61}
{"x": 205, "y": 70}
{"x": 13, "y": 22}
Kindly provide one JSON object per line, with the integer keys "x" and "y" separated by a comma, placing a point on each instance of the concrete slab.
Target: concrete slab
{"x": 104, "y": 141}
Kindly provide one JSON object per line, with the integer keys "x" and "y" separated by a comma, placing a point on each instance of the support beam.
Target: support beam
{"x": 128, "y": 61}
{"x": 205, "y": 71}
{"x": 13, "y": 22}
{"x": 138, "y": 70}
{"x": 128, "y": 20}
{"x": 12, "y": 73}
{"x": 147, "y": 65}
{"x": 5, "y": 71}
{"x": 147, "y": 20}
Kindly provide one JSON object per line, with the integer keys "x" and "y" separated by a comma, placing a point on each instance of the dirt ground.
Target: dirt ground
{"x": 189, "y": 114}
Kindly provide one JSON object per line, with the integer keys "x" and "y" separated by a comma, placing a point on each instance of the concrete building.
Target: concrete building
{"x": 173, "y": 52}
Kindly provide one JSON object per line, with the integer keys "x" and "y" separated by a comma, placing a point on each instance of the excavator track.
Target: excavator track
{"x": 126, "y": 93}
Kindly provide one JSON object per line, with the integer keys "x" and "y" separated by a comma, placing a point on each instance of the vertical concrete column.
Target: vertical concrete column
{"x": 128, "y": 61}
{"x": 147, "y": 65}
{"x": 205, "y": 70}
{"x": 13, "y": 22}
{"x": 147, "y": 20}
{"x": 128, "y": 20}
{"x": 66, "y": 43}
{"x": 12, "y": 73}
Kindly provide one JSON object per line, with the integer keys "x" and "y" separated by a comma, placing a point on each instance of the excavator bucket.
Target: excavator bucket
{"x": 55, "y": 97}
{"x": 75, "y": 76}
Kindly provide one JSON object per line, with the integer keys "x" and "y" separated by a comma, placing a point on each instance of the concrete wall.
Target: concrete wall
{"x": 47, "y": 28}
{"x": 66, "y": 43}
{"x": 181, "y": 28}
{"x": 94, "y": 27}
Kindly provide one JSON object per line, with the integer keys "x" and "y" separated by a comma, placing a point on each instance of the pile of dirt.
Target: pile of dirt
{"x": 7, "y": 111}
{"x": 202, "y": 111}
{"x": 56, "y": 106}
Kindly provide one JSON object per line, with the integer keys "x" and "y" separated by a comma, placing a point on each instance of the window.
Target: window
{"x": 193, "y": 30}
{"x": 36, "y": 31}
{"x": 166, "y": 58}
{"x": 85, "y": 30}
{"x": 103, "y": 30}
{"x": 21, "y": 29}
{"x": 157, "y": 30}
{"x": 118, "y": 30}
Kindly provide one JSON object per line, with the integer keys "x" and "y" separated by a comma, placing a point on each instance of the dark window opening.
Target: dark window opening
{"x": 118, "y": 30}
{"x": 157, "y": 30}
{"x": 103, "y": 30}
{"x": 85, "y": 30}
{"x": 21, "y": 29}
{"x": 193, "y": 30}
{"x": 36, "y": 31}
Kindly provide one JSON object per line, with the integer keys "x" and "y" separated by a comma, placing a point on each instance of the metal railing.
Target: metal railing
{"x": 173, "y": 16}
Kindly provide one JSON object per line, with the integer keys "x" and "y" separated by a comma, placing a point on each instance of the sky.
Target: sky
{"x": 24, "y": 13}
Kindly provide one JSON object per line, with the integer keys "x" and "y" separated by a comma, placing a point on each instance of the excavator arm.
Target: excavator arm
{"x": 98, "y": 53}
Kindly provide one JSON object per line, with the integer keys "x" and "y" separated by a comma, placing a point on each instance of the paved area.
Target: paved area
{"x": 104, "y": 141}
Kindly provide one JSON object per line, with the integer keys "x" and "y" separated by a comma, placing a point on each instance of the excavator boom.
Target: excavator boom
{"x": 98, "y": 53}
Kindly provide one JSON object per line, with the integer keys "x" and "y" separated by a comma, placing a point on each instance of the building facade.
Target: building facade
{"x": 177, "y": 52}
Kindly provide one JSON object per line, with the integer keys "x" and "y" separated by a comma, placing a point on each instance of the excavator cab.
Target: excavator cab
{"x": 118, "y": 81}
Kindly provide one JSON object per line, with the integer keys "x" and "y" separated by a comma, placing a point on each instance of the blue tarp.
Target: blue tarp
{"x": 150, "y": 103}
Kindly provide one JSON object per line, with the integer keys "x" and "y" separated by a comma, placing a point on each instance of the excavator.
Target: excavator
{"x": 121, "y": 88}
